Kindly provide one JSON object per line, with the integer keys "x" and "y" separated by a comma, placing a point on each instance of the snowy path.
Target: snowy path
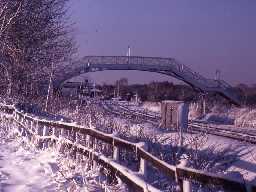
{"x": 23, "y": 170}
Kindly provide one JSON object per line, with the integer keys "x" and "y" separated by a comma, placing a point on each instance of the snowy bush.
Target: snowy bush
{"x": 195, "y": 111}
{"x": 246, "y": 118}
{"x": 152, "y": 106}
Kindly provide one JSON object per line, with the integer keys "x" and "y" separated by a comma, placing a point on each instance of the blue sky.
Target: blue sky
{"x": 204, "y": 34}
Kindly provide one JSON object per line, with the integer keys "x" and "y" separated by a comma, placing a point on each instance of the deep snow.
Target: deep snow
{"x": 25, "y": 169}
{"x": 241, "y": 155}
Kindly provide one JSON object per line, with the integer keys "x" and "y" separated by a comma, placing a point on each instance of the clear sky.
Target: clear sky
{"x": 204, "y": 34}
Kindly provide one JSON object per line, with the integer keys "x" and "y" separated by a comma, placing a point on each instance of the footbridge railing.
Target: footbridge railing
{"x": 80, "y": 140}
{"x": 170, "y": 63}
{"x": 167, "y": 66}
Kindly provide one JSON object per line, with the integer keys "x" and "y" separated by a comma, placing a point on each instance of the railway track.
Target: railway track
{"x": 240, "y": 134}
{"x": 233, "y": 133}
{"x": 130, "y": 114}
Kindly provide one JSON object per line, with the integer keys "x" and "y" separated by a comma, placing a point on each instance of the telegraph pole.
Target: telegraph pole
{"x": 129, "y": 52}
{"x": 217, "y": 75}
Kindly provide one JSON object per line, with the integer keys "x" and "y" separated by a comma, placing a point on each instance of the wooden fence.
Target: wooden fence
{"x": 82, "y": 140}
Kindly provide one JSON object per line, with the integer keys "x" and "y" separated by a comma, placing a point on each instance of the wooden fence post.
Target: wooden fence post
{"x": 31, "y": 125}
{"x": 27, "y": 129}
{"x": 94, "y": 143}
{"x": 18, "y": 117}
{"x": 22, "y": 127}
{"x": 14, "y": 115}
{"x": 77, "y": 137}
{"x": 88, "y": 141}
{"x": 54, "y": 134}
{"x": 62, "y": 135}
{"x": 143, "y": 163}
{"x": 74, "y": 141}
{"x": 45, "y": 133}
{"x": 40, "y": 132}
{"x": 185, "y": 185}
{"x": 91, "y": 144}
{"x": 33, "y": 129}
{"x": 116, "y": 150}
{"x": 61, "y": 146}
{"x": 38, "y": 128}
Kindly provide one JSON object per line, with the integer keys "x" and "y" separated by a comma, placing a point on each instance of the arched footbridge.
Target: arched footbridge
{"x": 166, "y": 66}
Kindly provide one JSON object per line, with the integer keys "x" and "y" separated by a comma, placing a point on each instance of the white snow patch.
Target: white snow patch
{"x": 24, "y": 170}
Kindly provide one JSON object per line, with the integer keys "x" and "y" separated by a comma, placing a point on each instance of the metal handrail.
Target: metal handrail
{"x": 170, "y": 64}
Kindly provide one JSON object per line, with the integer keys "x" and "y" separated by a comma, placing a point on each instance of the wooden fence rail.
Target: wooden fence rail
{"x": 83, "y": 139}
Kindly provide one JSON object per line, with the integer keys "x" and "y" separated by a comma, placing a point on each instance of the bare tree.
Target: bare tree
{"x": 9, "y": 11}
{"x": 35, "y": 35}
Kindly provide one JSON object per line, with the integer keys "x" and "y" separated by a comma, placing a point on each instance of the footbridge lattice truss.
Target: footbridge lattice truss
{"x": 166, "y": 66}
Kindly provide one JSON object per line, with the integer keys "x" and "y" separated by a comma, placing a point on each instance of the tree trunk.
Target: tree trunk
{"x": 49, "y": 91}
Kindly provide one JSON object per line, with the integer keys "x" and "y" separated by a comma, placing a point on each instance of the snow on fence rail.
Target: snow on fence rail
{"x": 82, "y": 140}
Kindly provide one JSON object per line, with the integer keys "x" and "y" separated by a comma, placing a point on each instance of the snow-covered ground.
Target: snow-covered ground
{"x": 238, "y": 157}
{"x": 217, "y": 154}
{"x": 244, "y": 154}
{"x": 23, "y": 168}
{"x": 152, "y": 106}
{"x": 231, "y": 156}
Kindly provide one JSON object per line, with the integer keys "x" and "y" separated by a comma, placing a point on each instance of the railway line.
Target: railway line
{"x": 241, "y": 134}
{"x": 130, "y": 114}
